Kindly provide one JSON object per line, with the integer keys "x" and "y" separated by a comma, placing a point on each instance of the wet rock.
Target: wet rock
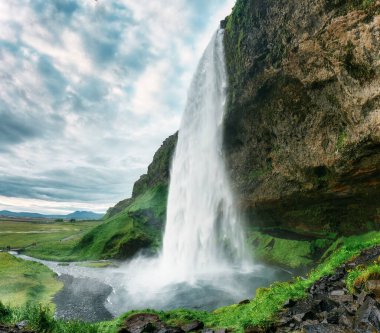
{"x": 9, "y": 329}
{"x": 256, "y": 330}
{"x": 147, "y": 323}
{"x": 337, "y": 293}
{"x": 333, "y": 317}
{"x": 207, "y": 330}
{"x": 221, "y": 330}
{"x": 289, "y": 303}
{"x": 323, "y": 328}
{"x": 324, "y": 304}
{"x": 22, "y": 324}
{"x": 361, "y": 297}
{"x": 373, "y": 286}
{"x": 368, "y": 315}
{"x": 342, "y": 298}
{"x": 246, "y": 301}
{"x": 345, "y": 321}
{"x": 192, "y": 326}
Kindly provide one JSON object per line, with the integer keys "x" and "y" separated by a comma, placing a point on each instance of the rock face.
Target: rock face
{"x": 158, "y": 174}
{"x": 159, "y": 169}
{"x": 136, "y": 223}
{"x": 302, "y": 129}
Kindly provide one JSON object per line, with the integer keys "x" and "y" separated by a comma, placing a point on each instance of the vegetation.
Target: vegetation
{"x": 136, "y": 227}
{"x": 260, "y": 311}
{"x": 268, "y": 301}
{"x": 41, "y": 319}
{"x": 22, "y": 281}
{"x": 44, "y": 240}
{"x": 358, "y": 277}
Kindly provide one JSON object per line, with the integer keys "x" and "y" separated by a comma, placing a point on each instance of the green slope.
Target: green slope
{"x": 138, "y": 226}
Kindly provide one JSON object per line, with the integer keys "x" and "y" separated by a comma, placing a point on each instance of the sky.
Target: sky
{"x": 89, "y": 89}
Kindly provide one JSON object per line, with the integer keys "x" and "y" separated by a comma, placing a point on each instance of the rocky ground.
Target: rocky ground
{"x": 14, "y": 329}
{"x": 82, "y": 299}
{"x": 328, "y": 308}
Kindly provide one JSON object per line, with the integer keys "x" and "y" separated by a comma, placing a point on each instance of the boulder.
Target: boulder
{"x": 192, "y": 326}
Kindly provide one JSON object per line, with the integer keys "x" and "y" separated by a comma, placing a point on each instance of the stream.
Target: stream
{"x": 96, "y": 294}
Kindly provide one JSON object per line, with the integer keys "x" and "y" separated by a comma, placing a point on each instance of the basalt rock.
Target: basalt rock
{"x": 147, "y": 323}
{"x": 330, "y": 309}
{"x": 14, "y": 329}
{"x": 302, "y": 129}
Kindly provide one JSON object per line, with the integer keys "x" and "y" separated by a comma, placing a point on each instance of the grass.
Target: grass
{"x": 137, "y": 227}
{"x": 41, "y": 319}
{"x": 284, "y": 252}
{"x": 358, "y": 277}
{"x": 50, "y": 241}
{"x": 261, "y": 311}
{"x": 22, "y": 281}
{"x": 295, "y": 251}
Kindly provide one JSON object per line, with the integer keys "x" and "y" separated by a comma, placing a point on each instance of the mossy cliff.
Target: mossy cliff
{"x": 136, "y": 223}
{"x": 302, "y": 128}
{"x": 157, "y": 174}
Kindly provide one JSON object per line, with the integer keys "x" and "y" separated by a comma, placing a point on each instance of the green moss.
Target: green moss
{"x": 138, "y": 226}
{"x": 357, "y": 277}
{"x": 280, "y": 251}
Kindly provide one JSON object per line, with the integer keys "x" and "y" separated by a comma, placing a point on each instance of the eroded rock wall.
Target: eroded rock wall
{"x": 302, "y": 130}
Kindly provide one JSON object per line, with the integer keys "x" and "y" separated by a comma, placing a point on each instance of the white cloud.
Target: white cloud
{"x": 93, "y": 85}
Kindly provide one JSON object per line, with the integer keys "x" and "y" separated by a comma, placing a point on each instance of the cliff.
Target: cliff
{"x": 136, "y": 223}
{"x": 302, "y": 130}
{"x": 157, "y": 174}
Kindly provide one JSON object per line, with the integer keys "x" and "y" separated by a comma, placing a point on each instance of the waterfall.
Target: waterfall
{"x": 203, "y": 232}
{"x": 203, "y": 262}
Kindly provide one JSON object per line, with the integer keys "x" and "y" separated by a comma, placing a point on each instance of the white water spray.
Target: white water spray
{"x": 203, "y": 234}
{"x": 203, "y": 262}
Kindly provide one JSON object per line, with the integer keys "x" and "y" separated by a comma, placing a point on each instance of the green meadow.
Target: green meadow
{"x": 42, "y": 239}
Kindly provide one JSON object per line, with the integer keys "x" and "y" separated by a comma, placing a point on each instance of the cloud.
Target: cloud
{"x": 89, "y": 90}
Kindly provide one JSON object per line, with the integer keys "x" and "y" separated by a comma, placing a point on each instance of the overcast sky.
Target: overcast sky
{"x": 89, "y": 90}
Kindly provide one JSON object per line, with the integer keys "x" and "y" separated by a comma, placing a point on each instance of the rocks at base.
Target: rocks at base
{"x": 330, "y": 308}
{"x": 323, "y": 328}
{"x": 15, "y": 329}
{"x": 147, "y": 323}
{"x": 373, "y": 286}
{"x": 151, "y": 323}
{"x": 192, "y": 326}
{"x": 22, "y": 324}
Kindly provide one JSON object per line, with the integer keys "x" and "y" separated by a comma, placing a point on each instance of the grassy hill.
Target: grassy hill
{"x": 136, "y": 223}
{"x": 138, "y": 226}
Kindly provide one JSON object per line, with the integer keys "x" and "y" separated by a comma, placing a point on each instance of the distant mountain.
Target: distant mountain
{"x": 84, "y": 215}
{"x": 77, "y": 215}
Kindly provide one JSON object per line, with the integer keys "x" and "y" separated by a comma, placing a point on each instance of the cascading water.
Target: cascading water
{"x": 203, "y": 233}
{"x": 203, "y": 263}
